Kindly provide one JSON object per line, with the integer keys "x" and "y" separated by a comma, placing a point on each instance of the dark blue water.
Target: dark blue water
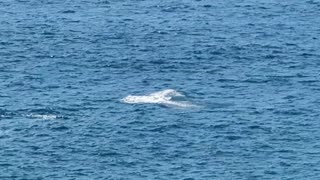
{"x": 251, "y": 67}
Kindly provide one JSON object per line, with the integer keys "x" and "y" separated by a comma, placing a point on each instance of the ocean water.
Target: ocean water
{"x": 164, "y": 90}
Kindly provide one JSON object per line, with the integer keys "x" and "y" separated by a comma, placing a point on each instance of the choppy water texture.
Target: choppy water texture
{"x": 251, "y": 67}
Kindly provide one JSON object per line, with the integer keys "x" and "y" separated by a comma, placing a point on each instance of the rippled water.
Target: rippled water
{"x": 252, "y": 67}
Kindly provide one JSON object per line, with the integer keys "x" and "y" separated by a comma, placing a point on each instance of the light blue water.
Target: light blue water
{"x": 251, "y": 68}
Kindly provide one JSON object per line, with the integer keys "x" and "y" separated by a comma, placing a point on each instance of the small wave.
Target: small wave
{"x": 167, "y": 97}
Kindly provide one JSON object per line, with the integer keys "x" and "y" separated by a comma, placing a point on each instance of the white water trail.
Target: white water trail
{"x": 164, "y": 97}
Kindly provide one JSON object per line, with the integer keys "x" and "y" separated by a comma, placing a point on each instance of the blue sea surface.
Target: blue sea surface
{"x": 249, "y": 69}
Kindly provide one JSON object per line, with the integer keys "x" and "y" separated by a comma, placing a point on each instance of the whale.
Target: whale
{"x": 165, "y": 97}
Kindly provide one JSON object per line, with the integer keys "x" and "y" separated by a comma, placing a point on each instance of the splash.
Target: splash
{"x": 44, "y": 117}
{"x": 167, "y": 97}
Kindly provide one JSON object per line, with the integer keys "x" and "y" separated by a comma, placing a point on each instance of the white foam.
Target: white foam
{"x": 164, "y": 97}
{"x": 44, "y": 117}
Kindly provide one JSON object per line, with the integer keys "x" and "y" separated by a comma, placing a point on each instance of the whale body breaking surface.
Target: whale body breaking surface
{"x": 166, "y": 97}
